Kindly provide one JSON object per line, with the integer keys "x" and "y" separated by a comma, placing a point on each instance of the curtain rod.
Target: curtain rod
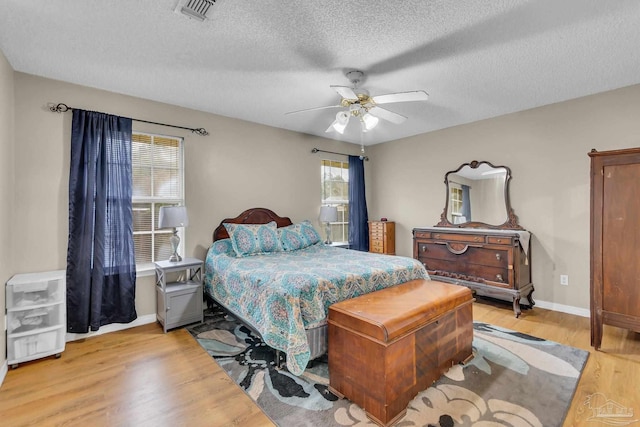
{"x": 316, "y": 150}
{"x": 63, "y": 108}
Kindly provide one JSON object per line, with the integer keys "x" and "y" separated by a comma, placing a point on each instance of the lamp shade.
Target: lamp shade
{"x": 328, "y": 214}
{"x": 370, "y": 121}
{"x": 340, "y": 123}
{"x": 173, "y": 216}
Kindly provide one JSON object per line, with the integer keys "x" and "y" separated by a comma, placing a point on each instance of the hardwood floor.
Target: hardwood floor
{"x": 136, "y": 377}
{"x": 143, "y": 377}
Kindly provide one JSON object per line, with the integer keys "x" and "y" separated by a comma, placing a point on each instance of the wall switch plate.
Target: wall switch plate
{"x": 564, "y": 279}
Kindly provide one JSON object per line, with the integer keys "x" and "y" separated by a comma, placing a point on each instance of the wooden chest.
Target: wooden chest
{"x": 386, "y": 346}
{"x": 493, "y": 263}
{"x": 382, "y": 237}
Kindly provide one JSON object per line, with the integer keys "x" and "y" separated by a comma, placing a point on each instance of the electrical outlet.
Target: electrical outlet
{"x": 564, "y": 279}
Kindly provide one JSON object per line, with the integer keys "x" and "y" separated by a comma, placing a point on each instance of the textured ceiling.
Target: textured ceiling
{"x": 257, "y": 60}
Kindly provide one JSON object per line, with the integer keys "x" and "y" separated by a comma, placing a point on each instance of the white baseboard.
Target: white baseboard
{"x": 3, "y": 372}
{"x": 143, "y": 320}
{"x": 584, "y": 312}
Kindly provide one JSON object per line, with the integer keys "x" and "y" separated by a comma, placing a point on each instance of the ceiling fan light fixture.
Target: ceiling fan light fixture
{"x": 340, "y": 123}
{"x": 357, "y": 102}
{"x": 369, "y": 121}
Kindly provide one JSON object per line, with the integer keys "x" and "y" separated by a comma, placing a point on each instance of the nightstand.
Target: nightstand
{"x": 179, "y": 300}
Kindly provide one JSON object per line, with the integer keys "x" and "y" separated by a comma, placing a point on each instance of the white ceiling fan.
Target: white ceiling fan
{"x": 360, "y": 104}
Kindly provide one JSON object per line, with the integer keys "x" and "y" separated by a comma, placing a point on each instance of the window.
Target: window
{"x": 335, "y": 192}
{"x": 158, "y": 180}
{"x": 455, "y": 200}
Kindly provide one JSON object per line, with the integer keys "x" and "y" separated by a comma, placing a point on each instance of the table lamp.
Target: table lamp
{"x": 173, "y": 217}
{"x": 328, "y": 214}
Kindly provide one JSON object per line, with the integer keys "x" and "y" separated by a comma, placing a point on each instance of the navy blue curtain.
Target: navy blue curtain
{"x": 358, "y": 217}
{"x": 101, "y": 271}
{"x": 466, "y": 203}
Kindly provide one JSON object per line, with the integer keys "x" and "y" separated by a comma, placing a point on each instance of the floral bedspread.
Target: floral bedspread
{"x": 281, "y": 293}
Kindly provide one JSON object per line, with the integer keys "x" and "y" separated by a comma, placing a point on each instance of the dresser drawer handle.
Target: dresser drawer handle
{"x": 499, "y": 240}
{"x": 499, "y": 277}
{"x": 424, "y": 249}
{"x": 498, "y": 257}
{"x": 437, "y": 236}
{"x": 476, "y": 239}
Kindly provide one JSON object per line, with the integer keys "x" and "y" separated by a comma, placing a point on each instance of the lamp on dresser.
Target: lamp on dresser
{"x": 173, "y": 217}
{"x": 328, "y": 214}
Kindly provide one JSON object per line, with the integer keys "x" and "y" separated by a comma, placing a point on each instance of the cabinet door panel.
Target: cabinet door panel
{"x": 183, "y": 306}
{"x": 620, "y": 266}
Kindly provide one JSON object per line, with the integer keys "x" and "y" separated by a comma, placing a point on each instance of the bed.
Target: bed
{"x": 284, "y": 293}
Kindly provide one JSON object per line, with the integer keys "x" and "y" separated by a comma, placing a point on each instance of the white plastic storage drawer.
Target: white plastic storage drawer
{"x": 30, "y": 319}
{"x": 23, "y": 347}
{"x": 36, "y": 316}
{"x": 26, "y": 290}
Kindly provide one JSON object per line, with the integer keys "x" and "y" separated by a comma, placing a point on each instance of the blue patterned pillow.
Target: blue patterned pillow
{"x": 223, "y": 246}
{"x": 298, "y": 236}
{"x": 252, "y": 239}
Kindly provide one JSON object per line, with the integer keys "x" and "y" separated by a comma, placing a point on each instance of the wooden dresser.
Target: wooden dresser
{"x": 615, "y": 233}
{"x": 491, "y": 262}
{"x": 382, "y": 237}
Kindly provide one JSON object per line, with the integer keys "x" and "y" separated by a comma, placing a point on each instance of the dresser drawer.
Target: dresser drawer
{"x": 376, "y": 244}
{"x": 421, "y": 234}
{"x": 454, "y": 237}
{"x": 493, "y": 275}
{"x": 474, "y": 255}
{"x": 499, "y": 240}
{"x": 376, "y": 249}
{"x": 376, "y": 225}
{"x": 460, "y": 237}
{"x": 376, "y": 235}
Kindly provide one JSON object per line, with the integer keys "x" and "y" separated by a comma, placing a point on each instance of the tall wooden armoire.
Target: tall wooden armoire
{"x": 615, "y": 241}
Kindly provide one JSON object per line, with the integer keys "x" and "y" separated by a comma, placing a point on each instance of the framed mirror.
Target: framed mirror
{"x": 478, "y": 197}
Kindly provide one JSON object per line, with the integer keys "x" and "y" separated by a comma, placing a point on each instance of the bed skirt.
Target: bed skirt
{"x": 317, "y": 337}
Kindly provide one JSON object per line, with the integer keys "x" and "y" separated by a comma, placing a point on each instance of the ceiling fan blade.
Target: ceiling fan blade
{"x": 416, "y": 95}
{"x": 313, "y": 109}
{"x": 345, "y": 92}
{"x": 387, "y": 115}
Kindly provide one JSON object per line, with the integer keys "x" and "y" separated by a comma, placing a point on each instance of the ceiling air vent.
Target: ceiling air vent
{"x": 195, "y": 8}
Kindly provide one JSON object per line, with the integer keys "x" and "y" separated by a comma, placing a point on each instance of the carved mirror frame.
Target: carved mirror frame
{"x": 511, "y": 222}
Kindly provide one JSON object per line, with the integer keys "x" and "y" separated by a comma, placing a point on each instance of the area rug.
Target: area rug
{"x": 514, "y": 379}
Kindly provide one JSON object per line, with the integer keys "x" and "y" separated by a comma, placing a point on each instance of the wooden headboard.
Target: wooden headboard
{"x": 250, "y": 216}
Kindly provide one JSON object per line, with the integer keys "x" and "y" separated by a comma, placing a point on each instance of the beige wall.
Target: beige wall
{"x": 241, "y": 165}
{"x": 238, "y": 166}
{"x": 546, "y": 149}
{"x": 6, "y": 188}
